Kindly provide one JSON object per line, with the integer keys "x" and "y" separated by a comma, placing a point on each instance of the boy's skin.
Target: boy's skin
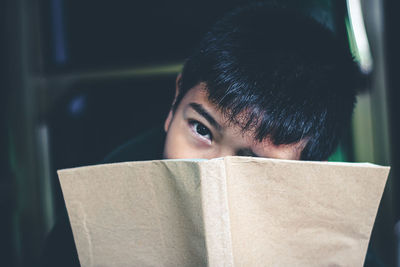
{"x": 197, "y": 129}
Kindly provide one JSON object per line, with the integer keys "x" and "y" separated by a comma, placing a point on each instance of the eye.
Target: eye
{"x": 201, "y": 130}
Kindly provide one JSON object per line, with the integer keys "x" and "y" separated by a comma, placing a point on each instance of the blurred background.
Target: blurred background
{"x": 79, "y": 78}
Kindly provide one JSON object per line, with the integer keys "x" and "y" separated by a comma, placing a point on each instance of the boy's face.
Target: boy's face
{"x": 197, "y": 129}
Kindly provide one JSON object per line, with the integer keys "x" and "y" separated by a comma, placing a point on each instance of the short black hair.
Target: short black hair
{"x": 288, "y": 73}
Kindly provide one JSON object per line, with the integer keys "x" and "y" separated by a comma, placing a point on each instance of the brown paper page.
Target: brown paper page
{"x": 136, "y": 214}
{"x": 293, "y": 213}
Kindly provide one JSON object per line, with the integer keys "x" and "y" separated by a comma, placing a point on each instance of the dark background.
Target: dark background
{"x": 79, "y": 78}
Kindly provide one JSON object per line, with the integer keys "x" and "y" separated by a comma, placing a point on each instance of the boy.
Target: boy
{"x": 264, "y": 82}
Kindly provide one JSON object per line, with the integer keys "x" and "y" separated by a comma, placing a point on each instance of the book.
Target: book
{"x": 232, "y": 211}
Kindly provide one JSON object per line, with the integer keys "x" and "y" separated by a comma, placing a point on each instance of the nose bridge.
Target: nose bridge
{"x": 226, "y": 150}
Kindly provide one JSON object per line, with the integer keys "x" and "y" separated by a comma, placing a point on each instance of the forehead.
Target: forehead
{"x": 233, "y": 134}
{"x": 199, "y": 94}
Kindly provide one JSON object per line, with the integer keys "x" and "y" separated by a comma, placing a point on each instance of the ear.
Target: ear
{"x": 177, "y": 86}
{"x": 168, "y": 121}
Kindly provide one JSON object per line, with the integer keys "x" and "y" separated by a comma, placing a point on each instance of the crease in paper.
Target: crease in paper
{"x": 216, "y": 214}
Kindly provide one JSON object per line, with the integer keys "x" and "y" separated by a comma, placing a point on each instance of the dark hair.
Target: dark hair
{"x": 286, "y": 72}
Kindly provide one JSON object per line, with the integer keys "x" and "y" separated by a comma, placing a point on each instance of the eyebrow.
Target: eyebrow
{"x": 199, "y": 109}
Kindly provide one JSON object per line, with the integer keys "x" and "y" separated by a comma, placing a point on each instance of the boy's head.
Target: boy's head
{"x": 265, "y": 82}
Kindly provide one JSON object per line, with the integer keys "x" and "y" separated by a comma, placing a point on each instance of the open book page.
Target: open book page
{"x": 291, "y": 213}
{"x": 136, "y": 214}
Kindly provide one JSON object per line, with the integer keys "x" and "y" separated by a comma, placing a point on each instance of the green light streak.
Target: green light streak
{"x": 352, "y": 40}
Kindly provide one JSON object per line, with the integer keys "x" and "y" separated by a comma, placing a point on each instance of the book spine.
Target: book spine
{"x": 216, "y": 213}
